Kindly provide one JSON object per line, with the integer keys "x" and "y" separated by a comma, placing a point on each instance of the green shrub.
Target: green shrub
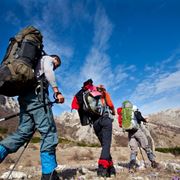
{"x": 80, "y": 143}
{"x": 67, "y": 141}
{"x": 174, "y": 150}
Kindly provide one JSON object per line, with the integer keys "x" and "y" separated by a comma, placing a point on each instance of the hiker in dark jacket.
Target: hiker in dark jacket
{"x": 102, "y": 125}
{"x": 138, "y": 138}
{"x": 40, "y": 118}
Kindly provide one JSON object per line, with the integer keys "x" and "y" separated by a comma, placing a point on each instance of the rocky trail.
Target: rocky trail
{"x": 81, "y": 163}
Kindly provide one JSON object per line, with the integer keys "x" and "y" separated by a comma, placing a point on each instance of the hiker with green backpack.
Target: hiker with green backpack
{"x": 33, "y": 94}
{"x": 130, "y": 119}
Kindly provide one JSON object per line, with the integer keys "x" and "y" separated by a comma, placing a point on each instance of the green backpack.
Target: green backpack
{"x": 128, "y": 120}
{"x": 22, "y": 55}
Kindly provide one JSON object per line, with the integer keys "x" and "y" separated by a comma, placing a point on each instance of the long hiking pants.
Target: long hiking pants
{"x": 40, "y": 119}
{"x": 136, "y": 139}
{"x": 103, "y": 130}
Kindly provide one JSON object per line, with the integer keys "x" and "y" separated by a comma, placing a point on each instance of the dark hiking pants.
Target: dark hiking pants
{"x": 103, "y": 130}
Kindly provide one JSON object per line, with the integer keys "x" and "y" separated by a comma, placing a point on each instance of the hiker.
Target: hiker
{"x": 40, "y": 119}
{"x": 119, "y": 112}
{"x": 101, "y": 119}
{"x": 137, "y": 137}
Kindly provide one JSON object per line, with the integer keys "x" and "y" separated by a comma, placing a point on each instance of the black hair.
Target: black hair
{"x": 89, "y": 81}
{"x": 57, "y": 58}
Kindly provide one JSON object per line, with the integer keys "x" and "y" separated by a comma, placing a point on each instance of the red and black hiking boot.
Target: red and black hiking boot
{"x": 111, "y": 169}
{"x": 102, "y": 170}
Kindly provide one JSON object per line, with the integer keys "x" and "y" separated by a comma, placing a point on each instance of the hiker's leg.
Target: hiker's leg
{"x": 49, "y": 139}
{"x": 133, "y": 146}
{"x": 24, "y": 132}
{"x": 134, "y": 149}
{"x": 100, "y": 128}
{"x": 142, "y": 139}
{"x": 106, "y": 124}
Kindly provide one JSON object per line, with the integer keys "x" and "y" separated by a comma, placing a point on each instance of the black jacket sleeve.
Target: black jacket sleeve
{"x": 139, "y": 117}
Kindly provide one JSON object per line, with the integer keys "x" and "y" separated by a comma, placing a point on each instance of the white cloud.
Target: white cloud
{"x": 160, "y": 89}
{"x": 98, "y": 63}
{"x": 163, "y": 103}
{"x": 168, "y": 83}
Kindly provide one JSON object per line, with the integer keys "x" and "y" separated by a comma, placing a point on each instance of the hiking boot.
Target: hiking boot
{"x": 112, "y": 171}
{"x": 51, "y": 176}
{"x": 154, "y": 164}
{"x": 132, "y": 166}
{"x": 102, "y": 172}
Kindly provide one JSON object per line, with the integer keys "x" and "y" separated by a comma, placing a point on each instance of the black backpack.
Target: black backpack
{"x": 92, "y": 102}
{"x": 90, "y": 106}
{"x": 22, "y": 55}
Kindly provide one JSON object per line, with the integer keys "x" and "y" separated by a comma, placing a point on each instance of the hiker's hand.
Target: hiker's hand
{"x": 60, "y": 98}
{"x": 146, "y": 120}
{"x": 113, "y": 112}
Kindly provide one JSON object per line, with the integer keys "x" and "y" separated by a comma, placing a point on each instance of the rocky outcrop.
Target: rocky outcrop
{"x": 159, "y": 126}
{"x": 70, "y": 128}
{"x": 9, "y": 104}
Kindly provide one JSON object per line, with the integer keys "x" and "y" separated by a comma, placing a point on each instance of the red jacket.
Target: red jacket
{"x": 119, "y": 112}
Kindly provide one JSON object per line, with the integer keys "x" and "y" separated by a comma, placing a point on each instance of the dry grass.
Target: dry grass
{"x": 33, "y": 147}
{"x": 9, "y": 160}
{"x": 122, "y": 158}
{"x": 82, "y": 156}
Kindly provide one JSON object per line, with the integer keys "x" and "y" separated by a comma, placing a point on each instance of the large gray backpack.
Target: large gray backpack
{"x": 22, "y": 55}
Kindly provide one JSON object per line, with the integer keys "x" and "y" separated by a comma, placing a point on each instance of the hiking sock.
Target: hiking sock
{"x": 111, "y": 169}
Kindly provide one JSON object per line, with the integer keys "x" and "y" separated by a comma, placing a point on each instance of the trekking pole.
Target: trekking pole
{"x": 15, "y": 115}
{"x": 18, "y": 159}
{"x": 142, "y": 155}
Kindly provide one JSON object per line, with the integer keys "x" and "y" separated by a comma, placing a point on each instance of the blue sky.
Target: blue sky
{"x": 132, "y": 47}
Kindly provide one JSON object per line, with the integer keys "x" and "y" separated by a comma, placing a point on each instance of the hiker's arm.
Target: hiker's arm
{"x": 50, "y": 76}
{"x": 49, "y": 73}
{"x": 75, "y": 104}
{"x": 139, "y": 116}
{"x": 109, "y": 103}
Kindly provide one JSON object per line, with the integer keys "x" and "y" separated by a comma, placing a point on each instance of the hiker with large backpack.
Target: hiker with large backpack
{"x": 130, "y": 119}
{"x": 35, "y": 96}
{"x": 95, "y": 107}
